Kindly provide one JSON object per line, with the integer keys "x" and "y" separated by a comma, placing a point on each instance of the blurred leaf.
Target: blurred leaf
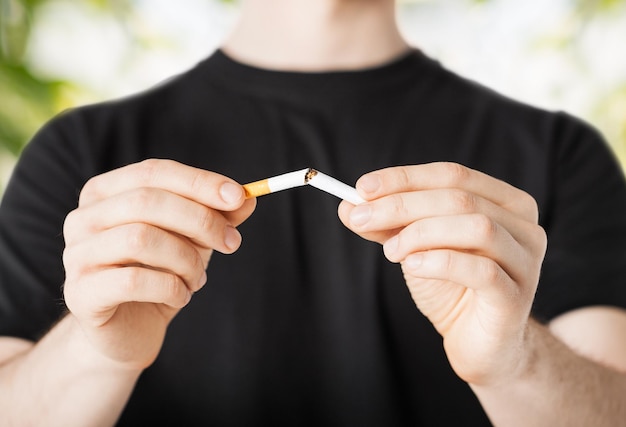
{"x": 14, "y": 29}
{"x": 25, "y": 104}
{"x": 27, "y": 101}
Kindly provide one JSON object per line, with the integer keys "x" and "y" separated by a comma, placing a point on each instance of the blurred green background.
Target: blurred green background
{"x": 56, "y": 54}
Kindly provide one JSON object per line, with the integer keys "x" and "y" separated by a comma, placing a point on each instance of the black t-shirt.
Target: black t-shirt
{"x": 308, "y": 324}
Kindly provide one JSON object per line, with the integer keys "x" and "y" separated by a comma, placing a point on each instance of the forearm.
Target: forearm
{"x": 556, "y": 387}
{"x": 63, "y": 381}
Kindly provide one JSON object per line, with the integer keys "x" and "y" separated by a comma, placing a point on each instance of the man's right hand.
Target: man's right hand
{"x": 137, "y": 248}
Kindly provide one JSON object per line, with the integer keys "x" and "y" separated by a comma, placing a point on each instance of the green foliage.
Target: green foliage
{"x": 598, "y": 5}
{"x": 14, "y": 29}
{"x": 27, "y": 100}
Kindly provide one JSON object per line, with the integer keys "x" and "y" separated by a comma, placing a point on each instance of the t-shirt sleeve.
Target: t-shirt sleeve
{"x": 585, "y": 220}
{"x": 43, "y": 189}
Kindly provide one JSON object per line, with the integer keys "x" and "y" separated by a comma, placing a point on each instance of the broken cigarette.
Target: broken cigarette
{"x": 333, "y": 186}
{"x": 275, "y": 183}
{"x": 302, "y": 177}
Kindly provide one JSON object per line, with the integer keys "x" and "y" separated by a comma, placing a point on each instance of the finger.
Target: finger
{"x": 137, "y": 244}
{"x": 464, "y": 269}
{"x": 204, "y": 226}
{"x": 205, "y": 187}
{"x": 400, "y": 209}
{"x": 378, "y": 236}
{"x": 473, "y": 233}
{"x": 439, "y": 282}
{"x": 238, "y": 216}
{"x": 98, "y": 295}
{"x": 451, "y": 176}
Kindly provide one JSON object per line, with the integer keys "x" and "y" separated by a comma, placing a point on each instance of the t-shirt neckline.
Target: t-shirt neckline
{"x": 222, "y": 69}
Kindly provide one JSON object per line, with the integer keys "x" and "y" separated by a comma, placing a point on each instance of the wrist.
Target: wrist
{"x": 509, "y": 362}
{"x": 89, "y": 355}
{"x": 519, "y": 365}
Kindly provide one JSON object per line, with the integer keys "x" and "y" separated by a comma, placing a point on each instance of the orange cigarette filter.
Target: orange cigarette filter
{"x": 276, "y": 183}
{"x": 257, "y": 188}
{"x": 302, "y": 177}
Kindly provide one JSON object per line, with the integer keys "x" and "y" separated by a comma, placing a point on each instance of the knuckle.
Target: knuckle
{"x": 205, "y": 256}
{"x": 138, "y": 237}
{"x": 141, "y": 200}
{"x": 532, "y": 207}
{"x": 198, "y": 263}
{"x": 527, "y": 206}
{"x": 66, "y": 257}
{"x": 68, "y": 260}
{"x": 415, "y": 232}
{"x": 142, "y": 195}
{"x": 77, "y": 225}
{"x": 454, "y": 173}
{"x": 70, "y": 224}
{"x": 70, "y": 297}
{"x": 90, "y": 190}
{"x": 197, "y": 183}
{"x": 206, "y": 219}
{"x": 484, "y": 228}
{"x": 400, "y": 208}
{"x": 441, "y": 260}
{"x": 447, "y": 261}
{"x": 421, "y": 231}
{"x": 146, "y": 171}
{"x": 403, "y": 177}
{"x": 541, "y": 239}
{"x": 528, "y": 201}
{"x": 462, "y": 201}
{"x": 491, "y": 271}
{"x": 194, "y": 264}
{"x": 172, "y": 290}
{"x": 130, "y": 280}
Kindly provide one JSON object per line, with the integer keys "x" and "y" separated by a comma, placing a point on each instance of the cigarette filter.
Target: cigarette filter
{"x": 275, "y": 183}
{"x": 302, "y": 177}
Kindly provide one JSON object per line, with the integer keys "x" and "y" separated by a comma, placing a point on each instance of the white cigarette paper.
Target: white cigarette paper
{"x": 302, "y": 177}
{"x": 333, "y": 186}
{"x": 276, "y": 183}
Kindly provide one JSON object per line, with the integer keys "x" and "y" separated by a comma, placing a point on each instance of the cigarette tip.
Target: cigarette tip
{"x": 309, "y": 175}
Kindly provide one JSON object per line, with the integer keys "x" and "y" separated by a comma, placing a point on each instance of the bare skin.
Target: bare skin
{"x": 471, "y": 251}
{"x": 119, "y": 315}
{"x": 131, "y": 267}
{"x": 469, "y": 246}
{"x": 175, "y": 243}
{"x": 321, "y": 35}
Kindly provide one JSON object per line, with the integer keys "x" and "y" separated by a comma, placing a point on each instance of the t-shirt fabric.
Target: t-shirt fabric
{"x": 308, "y": 324}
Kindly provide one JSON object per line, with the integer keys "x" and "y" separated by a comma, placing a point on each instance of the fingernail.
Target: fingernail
{"x": 360, "y": 215}
{"x": 414, "y": 261}
{"x": 231, "y": 193}
{"x": 369, "y": 183}
{"x": 232, "y": 238}
{"x": 391, "y": 246}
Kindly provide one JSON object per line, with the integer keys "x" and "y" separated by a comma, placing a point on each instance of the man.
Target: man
{"x": 306, "y": 323}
